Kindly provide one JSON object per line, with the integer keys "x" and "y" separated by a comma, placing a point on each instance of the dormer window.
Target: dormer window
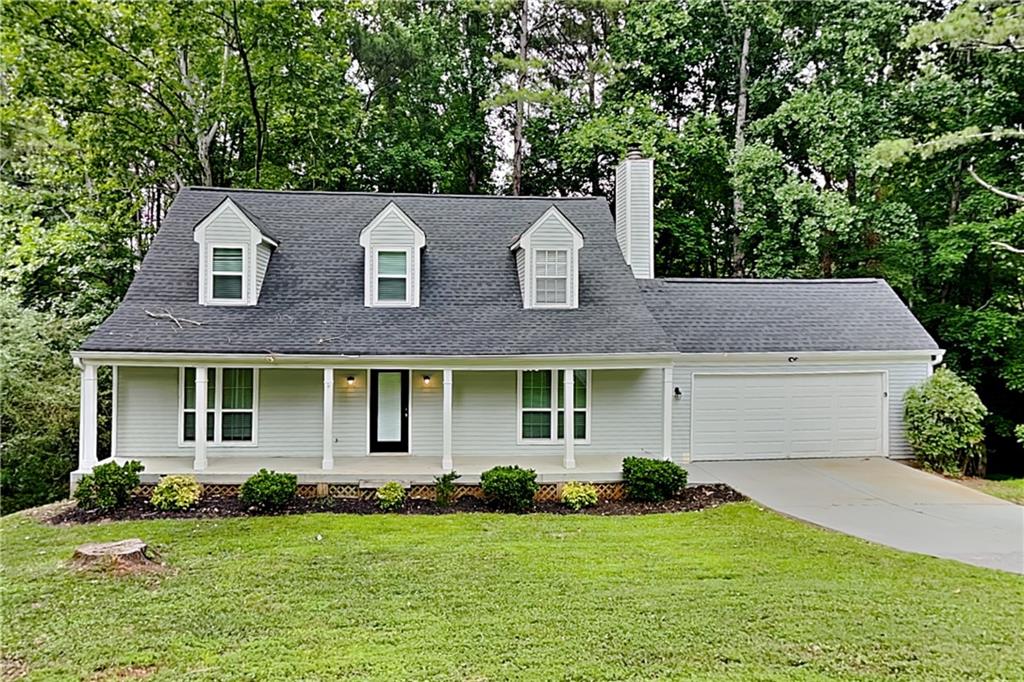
{"x": 228, "y": 273}
{"x": 391, "y": 243}
{"x": 234, "y": 254}
{"x": 392, "y": 278}
{"x": 551, "y": 271}
{"x": 548, "y": 261}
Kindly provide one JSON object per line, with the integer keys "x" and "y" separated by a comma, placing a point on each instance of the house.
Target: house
{"x": 349, "y": 337}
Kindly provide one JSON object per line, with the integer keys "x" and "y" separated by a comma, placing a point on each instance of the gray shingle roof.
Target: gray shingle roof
{"x": 312, "y": 297}
{"x": 742, "y": 316}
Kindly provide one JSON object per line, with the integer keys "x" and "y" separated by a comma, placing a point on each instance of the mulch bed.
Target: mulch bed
{"x": 693, "y": 498}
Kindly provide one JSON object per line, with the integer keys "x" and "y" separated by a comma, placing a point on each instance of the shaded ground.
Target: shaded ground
{"x": 736, "y": 592}
{"x": 1008, "y": 488}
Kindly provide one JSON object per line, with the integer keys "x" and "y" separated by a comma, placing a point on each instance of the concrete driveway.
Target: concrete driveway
{"x": 885, "y": 502}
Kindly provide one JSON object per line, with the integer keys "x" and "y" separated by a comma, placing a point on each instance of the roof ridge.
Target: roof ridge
{"x": 438, "y": 195}
{"x": 768, "y": 280}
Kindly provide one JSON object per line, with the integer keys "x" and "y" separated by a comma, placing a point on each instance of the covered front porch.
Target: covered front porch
{"x": 346, "y": 424}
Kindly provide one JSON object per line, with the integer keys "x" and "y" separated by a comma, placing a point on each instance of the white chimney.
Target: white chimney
{"x": 634, "y": 212}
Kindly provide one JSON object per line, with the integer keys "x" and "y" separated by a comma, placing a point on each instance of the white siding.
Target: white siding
{"x": 521, "y": 269}
{"x": 425, "y": 416}
{"x": 901, "y": 377}
{"x": 147, "y": 411}
{"x": 262, "y": 261}
{"x": 634, "y": 214}
{"x": 552, "y": 234}
{"x": 289, "y": 422}
{"x": 351, "y": 419}
{"x": 392, "y": 231}
{"x": 625, "y": 415}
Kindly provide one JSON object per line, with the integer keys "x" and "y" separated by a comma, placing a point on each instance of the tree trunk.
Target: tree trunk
{"x": 741, "y": 119}
{"x": 250, "y": 82}
{"x": 517, "y": 134}
{"x": 123, "y": 553}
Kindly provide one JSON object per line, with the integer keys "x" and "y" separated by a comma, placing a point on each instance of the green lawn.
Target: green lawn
{"x": 1005, "y": 487}
{"x": 732, "y": 593}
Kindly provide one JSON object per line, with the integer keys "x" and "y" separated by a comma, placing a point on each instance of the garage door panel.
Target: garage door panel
{"x": 758, "y": 416}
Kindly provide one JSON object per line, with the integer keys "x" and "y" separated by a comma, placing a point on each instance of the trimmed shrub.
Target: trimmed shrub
{"x": 444, "y": 489}
{"x": 652, "y": 480}
{"x": 576, "y": 496}
{"x": 109, "y": 486}
{"x": 510, "y": 488}
{"x": 390, "y": 496}
{"x": 269, "y": 490}
{"x": 176, "y": 493}
{"x": 944, "y": 419}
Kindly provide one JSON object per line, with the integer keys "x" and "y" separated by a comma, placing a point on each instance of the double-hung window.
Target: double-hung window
{"x": 542, "y": 405}
{"x": 551, "y": 277}
{"x": 392, "y": 277}
{"x": 227, "y": 273}
{"x": 230, "y": 405}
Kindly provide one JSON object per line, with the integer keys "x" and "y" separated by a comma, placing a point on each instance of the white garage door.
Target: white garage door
{"x": 772, "y": 416}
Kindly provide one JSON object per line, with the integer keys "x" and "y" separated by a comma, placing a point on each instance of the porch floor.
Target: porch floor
{"x": 376, "y": 469}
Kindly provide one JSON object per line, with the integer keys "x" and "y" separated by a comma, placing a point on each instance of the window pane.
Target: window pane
{"x": 536, "y": 425}
{"x": 580, "y": 425}
{"x": 227, "y": 260}
{"x": 189, "y": 431}
{"x": 237, "y": 389}
{"x": 552, "y": 263}
{"x": 236, "y": 426}
{"x": 391, "y": 262}
{"x": 579, "y": 378}
{"x": 390, "y": 289}
{"x": 227, "y": 286}
{"x": 551, "y": 290}
{"x": 190, "y": 388}
{"x": 536, "y": 389}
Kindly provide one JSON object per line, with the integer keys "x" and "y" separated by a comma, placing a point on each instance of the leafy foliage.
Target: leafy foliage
{"x": 109, "y": 486}
{"x": 444, "y": 488}
{"x": 576, "y": 496}
{"x": 176, "y": 493}
{"x": 944, "y": 418}
{"x": 510, "y": 488}
{"x": 390, "y": 496}
{"x": 269, "y": 490}
{"x": 652, "y": 480}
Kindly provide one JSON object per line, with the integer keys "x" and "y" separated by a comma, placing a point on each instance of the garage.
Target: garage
{"x": 779, "y": 416}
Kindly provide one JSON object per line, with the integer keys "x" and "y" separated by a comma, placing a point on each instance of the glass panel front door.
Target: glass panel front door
{"x": 389, "y": 411}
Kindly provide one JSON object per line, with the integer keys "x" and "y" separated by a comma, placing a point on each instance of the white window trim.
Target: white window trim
{"x": 570, "y": 256}
{"x": 245, "y": 273}
{"x": 407, "y": 301}
{"x": 217, "y": 408}
{"x": 556, "y": 388}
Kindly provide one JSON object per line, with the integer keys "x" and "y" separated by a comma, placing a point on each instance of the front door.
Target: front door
{"x": 389, "y": 410}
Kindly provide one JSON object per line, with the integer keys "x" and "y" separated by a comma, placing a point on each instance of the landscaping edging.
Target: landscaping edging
{"x": 468, "y": 500}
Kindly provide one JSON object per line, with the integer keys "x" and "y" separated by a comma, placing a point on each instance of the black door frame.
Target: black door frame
{"x": 389, "y": 446}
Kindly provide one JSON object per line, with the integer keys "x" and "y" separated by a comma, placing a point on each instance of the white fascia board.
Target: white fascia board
{"x": 480, "y": 362}
{"x": 388, "y": 211}
{"x": 798, "y": 358}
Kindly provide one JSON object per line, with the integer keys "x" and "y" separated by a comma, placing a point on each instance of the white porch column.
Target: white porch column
{"x": 569, "y": 430}
{"x": 87, "y": 418}
{"x": 668, "y": 397}
{"x": 446, "y": 423}
{"x": 199, "y": 460}
{"x": 328, "y": 435}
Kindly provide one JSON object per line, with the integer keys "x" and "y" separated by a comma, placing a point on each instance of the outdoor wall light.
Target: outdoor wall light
{"x": 678, "y": 392}
{"x": 426, "y": 379}
{"x": 350, "y": 380}
{"x": 792, "y": 358}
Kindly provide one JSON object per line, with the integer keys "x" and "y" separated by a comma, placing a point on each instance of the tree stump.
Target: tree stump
{"x": 131, "y": 553}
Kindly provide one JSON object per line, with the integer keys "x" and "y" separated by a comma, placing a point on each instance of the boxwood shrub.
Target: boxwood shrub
{"x": 391, "y": 496}
{"x": 576, "y": 496}
{"x": 652, "y": 480}
{"x": 269, "y": 490}
{"x": 944, "y": 418}
{"x": 109, "y": 486}
{"x": 510, "y": 488}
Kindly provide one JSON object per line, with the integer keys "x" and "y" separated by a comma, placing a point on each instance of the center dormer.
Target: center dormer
{"x": 391, "y": 246}
{"x": 548, "y": 261}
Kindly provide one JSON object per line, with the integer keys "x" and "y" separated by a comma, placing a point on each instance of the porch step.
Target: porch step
{"x": 374, "y": 483}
